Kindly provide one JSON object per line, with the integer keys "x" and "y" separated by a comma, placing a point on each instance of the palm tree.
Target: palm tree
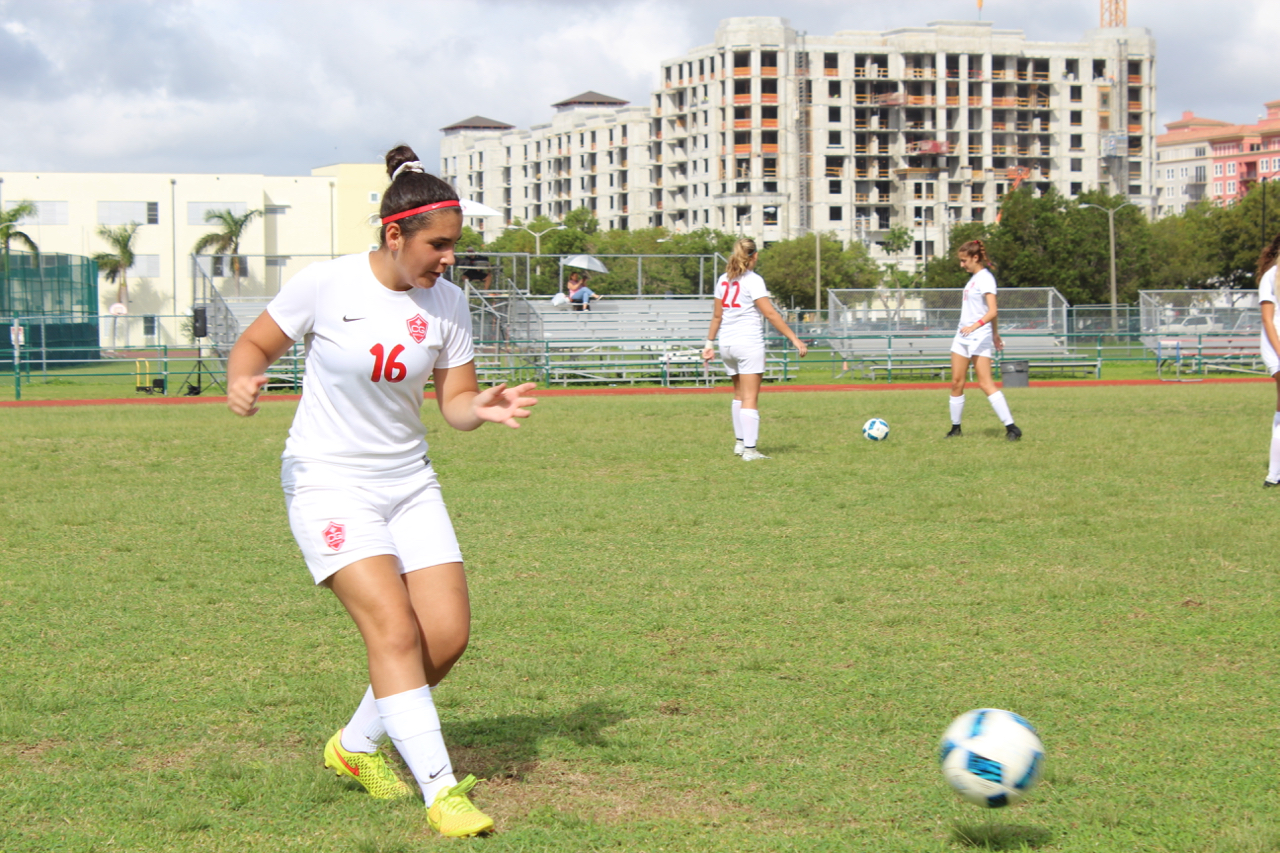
{"x": 115, "y": 265}
{"x": 226, "y": 241}
{"x": 9, "y": 232}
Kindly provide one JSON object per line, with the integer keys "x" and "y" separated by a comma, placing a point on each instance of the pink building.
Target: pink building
{"x": 1243, "y": 154}
{"x": 1202, "y": 158}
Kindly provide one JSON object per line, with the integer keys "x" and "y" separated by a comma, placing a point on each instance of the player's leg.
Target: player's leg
{"x": 1273, "y": 469}
{"x": 736, "y": 411}
{"x": 442, "y": 608}
{"x": 373, "y": 594}
{"x": 749, "y": 385}
{"x": 982, "y": 372}
{"x": 378, "y": 600}
{"x": 959, "y": 372}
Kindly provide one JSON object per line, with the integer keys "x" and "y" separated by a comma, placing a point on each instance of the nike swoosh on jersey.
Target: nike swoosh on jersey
{"x": 347, "y": 319}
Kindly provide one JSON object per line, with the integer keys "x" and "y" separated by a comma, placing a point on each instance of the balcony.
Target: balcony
{"x": 742, "y": 124}
{"x": 768, "y": 71}
{"x": 890, "y": 99}
{"x": 742, "y": 71}
{"x": 922, "y": 73}
{"x": 921, "y": 100}
{"x": 769, "y": 98}
{"x": 769, "y": 148}
{"x": 742, "y": 99}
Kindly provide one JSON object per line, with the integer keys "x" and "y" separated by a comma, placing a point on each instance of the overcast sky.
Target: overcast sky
{"x": 282, "y": 86}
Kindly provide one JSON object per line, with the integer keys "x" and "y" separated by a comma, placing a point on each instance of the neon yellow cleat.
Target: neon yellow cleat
{"x": 453, "y": 814}
{"x": 370, "y": 769}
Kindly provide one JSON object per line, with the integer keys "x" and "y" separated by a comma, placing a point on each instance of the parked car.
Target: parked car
{"x": 1192, "y": 326}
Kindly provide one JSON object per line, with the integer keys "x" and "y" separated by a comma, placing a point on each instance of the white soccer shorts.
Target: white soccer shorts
{"x": 742, "y": 358}
{"x": 1269, "y": 357}
{"x": 972, "y": 346}
{"x": 338, "y": 518}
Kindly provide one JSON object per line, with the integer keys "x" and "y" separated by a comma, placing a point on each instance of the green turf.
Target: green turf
{"x": 672, "y": 649}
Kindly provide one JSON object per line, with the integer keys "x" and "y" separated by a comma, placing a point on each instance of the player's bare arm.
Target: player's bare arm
{"x": 465, "y": 407}
{"x": 261, "y": 346}
{"x": 765, "y": 306}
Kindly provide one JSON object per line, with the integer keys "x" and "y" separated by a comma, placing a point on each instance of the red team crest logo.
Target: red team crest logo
{"x": 334, "y": 535}
{"x": 417, "y": 328}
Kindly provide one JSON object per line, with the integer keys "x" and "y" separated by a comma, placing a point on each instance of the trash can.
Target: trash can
{"x": 1015, "y": 374}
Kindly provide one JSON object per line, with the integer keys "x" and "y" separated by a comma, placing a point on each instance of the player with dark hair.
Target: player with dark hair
{"x": 363, "y": 500}
{"x": 742, "y": 299}
{"x": 1270, "y": 346}
{"x": 976, "y": 339}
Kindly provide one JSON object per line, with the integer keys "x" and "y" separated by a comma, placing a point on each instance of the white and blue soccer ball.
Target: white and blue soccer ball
{"x": 991, "y": 757}
{"x": 875, "y": 429}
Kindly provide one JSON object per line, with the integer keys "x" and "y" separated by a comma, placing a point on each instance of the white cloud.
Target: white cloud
{"x": 286, "y": 85}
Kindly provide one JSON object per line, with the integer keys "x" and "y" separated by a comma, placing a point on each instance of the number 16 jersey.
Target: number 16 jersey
{"x": 369, "y": 352}
{"x": 740, "y": 319}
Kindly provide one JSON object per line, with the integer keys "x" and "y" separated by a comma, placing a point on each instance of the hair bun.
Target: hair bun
{"x": 398, "y": 156}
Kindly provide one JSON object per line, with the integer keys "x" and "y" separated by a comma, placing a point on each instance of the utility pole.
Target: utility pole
{"x": 1111, "y": 228}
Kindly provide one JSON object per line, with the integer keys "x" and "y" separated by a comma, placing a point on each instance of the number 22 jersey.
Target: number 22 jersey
{"x": 740, "y": 319}
{"x": 370, "y": 351}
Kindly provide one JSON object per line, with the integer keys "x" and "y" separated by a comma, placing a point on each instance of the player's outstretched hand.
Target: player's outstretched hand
{"x": 802, "y": 348}
{"x": 242, "y": 394}
{"x": 503, "y": 405}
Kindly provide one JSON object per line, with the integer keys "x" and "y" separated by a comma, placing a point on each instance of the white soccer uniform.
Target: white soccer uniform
{"x": 1267, "y": 293}
{"x": 741, "y": 336}
{"x": 356, "y": 478}
{"x": 973, "y": 306}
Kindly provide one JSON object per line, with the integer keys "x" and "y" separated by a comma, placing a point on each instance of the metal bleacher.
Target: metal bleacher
{"x": 908, "y": 333}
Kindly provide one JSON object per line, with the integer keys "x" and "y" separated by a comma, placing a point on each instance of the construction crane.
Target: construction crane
{"x": 1017, "y": 174}
{"x": 1115, "y": 13}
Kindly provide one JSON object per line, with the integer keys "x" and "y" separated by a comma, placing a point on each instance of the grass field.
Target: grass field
{"x": 672, "y": 650}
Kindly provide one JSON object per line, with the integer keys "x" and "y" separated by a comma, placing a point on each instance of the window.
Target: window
{"x": 153, "y": 213}
{"x": 1077, "y": 164}
{"x": 1231, "y": 187}
{"x": 196, "y": 210}
{"x": 833, "y": 88}
{"x": 375, "y": 198}
{"x": 1168, "y": 174}
{"x": 836, "y": 214}
{"x": 833, "y": 139}
{"x": 1077, "y": 141}
{"x": 1076, "y": 188}
{"x": 146, "y": 266}
{"x": 1077, "y": 118}
{"x": 1077, "y": 94}
{"x": 833, "y": 115}
{"x": 1217, "y": 187}
{"x": 1217, "y": 170}
{"x": 47, "y": 213}
{"x": 835, "y": 187}
{"x": 116, "y": 213}
{"x": 1231, "y": 168}
{"x": 1183, "y": 172}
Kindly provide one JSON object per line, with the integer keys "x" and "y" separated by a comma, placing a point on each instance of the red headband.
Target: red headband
{"x": 453, "y": 202}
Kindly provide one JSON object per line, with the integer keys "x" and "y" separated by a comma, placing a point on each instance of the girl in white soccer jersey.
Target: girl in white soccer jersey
{"x": 976, "y": 339}
{"x": 1270, "y": 345}
{"x": 362, "y": 497}
{"x": 741, "y": 300}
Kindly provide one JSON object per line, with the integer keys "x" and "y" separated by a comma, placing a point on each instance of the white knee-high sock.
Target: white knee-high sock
{"x": 737, "y": 419}
{"x": 1273, "y": 473}
{"x": 750, "y": 426}
{"x": 414, "y": 727}
{"x": 957, "y": 409}
{"x": 1001, "y": 407}
{"x": 365, "y": 731}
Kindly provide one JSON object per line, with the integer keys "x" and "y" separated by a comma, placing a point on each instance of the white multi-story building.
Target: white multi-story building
{"x": 775, "y": 132}
{"x": 594, "y": 153}
{"x": 1184, "y": 161}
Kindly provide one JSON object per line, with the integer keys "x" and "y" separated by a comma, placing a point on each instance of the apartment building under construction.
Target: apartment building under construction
{"x": 775, "y": 133}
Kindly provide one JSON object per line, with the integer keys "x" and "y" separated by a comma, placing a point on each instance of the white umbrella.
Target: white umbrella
{"x": 475, "y": 208}
{"x": 585, "y": 262}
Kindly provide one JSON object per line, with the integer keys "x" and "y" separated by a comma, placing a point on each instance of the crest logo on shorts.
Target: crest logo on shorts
{"x": 334, "y": 535}
{"x": 417, "y": 327}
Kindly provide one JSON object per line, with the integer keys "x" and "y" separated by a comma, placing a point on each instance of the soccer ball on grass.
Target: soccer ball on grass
{"x": 875, "y": 429}
{"x": 991, "y": 757}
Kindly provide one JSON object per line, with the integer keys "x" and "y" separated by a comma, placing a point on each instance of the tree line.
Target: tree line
{"x": 1044, "y": 240}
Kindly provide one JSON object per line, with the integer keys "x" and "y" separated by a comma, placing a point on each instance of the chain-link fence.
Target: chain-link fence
{"x": 937, "y": 310}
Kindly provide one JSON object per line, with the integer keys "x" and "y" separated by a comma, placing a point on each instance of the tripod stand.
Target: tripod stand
{"x": 199, "y": 370}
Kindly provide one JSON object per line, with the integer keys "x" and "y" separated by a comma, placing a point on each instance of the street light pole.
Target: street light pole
{"x": 1111, "y": 230}
{"x": 537, "y": 242}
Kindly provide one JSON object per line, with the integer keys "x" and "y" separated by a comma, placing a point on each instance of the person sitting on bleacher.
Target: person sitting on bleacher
{"x": 580, "y": 295}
